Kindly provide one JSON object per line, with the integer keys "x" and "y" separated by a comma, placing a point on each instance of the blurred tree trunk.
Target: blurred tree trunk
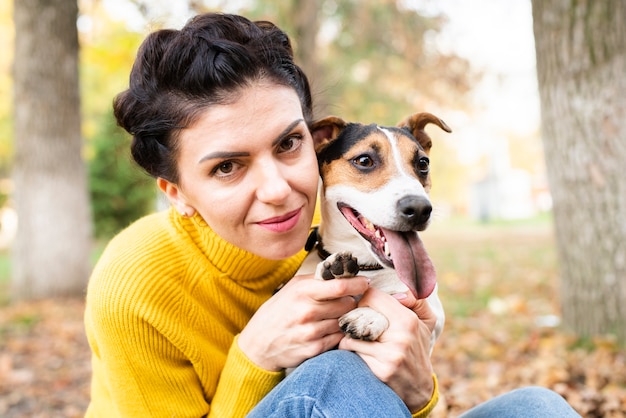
{"x": 52, "y": 247}
{"x": 306, "y": 22}
{"x": 581, "y": 66}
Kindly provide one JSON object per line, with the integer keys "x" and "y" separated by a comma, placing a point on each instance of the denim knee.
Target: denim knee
{"x": 337, "y": 374}
{"x": 530, "y": 401}
{"x": 336, "y": 362}
{"x": 337, "y": 383}
{"x": 544, "y": 400}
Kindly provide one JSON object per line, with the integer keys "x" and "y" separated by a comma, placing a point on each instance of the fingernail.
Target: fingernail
{"x": 399, "y": 296}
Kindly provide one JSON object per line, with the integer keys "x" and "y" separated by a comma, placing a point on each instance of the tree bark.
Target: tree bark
{"x": 581, "y": 68}
{"x": 53, "y": 242}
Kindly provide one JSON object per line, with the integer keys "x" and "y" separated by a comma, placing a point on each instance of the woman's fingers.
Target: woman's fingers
{"x": 323, "y": 290}
{"x": 300, "y": 321}
{"x": 400, "y": 357}
{"x": 390, "y": 307}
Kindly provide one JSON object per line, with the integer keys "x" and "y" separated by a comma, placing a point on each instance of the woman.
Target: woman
{"x": 181, "y": 313}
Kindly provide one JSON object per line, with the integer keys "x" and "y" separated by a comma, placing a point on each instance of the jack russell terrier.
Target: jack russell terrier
{"x": 374, "y": 200}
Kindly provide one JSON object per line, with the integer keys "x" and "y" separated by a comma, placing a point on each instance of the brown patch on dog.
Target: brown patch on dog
{"x": 373, "y": 148}
{"x": 410, "y": 153}
{"x": 377, "y": 148}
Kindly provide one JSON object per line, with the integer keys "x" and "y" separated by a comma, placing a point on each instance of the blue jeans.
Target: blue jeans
{"x": 334, "y": 384}
{"x": 526, "y": 402}
{"x": 338, "y": 384}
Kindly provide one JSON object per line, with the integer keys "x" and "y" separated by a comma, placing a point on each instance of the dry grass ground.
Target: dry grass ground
{"x": 499, "y": 285}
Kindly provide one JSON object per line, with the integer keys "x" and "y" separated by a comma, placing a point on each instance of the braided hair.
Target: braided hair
{"x": 179, "y": 73}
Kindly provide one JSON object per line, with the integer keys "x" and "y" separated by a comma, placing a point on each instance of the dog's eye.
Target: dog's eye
{"x": 423, "y": 165}
{"x": 363, "y": 161}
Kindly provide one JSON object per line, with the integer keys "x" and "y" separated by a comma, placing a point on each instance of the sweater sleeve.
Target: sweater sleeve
{"x": 242, "y": 385}
{"x": 133, "y": 323}
{"x": 140, "y": 372}
{"x": 162, "y": 323}
{"x": 137, "y": 372}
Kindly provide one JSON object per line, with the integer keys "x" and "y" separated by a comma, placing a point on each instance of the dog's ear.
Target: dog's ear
{"x": 326, "y": 130}
{"x": 416, "y": 124}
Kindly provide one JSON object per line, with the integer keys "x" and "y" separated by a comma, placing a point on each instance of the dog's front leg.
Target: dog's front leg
{"x": 363, "y": 324}
{"x": 336, "y": 266}
{"x": 360, "y": 323}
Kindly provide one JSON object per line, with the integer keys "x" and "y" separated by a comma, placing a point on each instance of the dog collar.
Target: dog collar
{"x": 315, "y": 241}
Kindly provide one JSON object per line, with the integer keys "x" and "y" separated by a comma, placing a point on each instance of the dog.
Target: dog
{"x": 374, "y": 192}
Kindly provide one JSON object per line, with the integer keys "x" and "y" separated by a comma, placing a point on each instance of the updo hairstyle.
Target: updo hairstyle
{"x": 179, "y": 73}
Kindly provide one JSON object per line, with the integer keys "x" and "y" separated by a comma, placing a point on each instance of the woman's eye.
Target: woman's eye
{"x": 224, "y": 169}
{"x": 290, "y": 143}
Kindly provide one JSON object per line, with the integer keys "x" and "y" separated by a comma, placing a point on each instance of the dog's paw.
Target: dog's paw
{"x": 338, "y": 265}
{"x": 363, "y": 324}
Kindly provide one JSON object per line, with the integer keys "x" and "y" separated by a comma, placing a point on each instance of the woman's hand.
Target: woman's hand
{"x": 400, "y": 357}
{"x": 300, "y": 321}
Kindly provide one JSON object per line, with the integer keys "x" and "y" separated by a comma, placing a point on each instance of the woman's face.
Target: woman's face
{"x": 249, "y": 169}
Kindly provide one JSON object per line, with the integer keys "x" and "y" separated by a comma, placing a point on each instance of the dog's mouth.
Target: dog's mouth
{"x": 401, "y": 250}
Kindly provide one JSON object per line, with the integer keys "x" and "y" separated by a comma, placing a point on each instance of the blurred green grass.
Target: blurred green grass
{"x": 5, "y": 267}
{"x": 5, "y": 276}
{"x": 483, "y": 266}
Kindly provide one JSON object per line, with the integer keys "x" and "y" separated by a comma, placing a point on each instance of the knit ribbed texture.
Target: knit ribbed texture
{"x": 164, "y": 305}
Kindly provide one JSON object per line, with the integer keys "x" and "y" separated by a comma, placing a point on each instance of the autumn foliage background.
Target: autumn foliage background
{"x": 498, "y": 284}
{"x": 498, "y": 281}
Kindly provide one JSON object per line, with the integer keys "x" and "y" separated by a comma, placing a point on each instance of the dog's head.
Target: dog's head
{"x": 378, "y": 179}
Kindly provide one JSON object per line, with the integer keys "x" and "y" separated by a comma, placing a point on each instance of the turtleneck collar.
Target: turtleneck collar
{"x": 240, "y": 265}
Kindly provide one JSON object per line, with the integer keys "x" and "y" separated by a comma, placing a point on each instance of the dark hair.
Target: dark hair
{"x": 179, "y": 73}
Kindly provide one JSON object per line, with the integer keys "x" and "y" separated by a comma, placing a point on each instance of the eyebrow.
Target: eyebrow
{"x": 224, "y": 155}
{"x": 286, "y": 131}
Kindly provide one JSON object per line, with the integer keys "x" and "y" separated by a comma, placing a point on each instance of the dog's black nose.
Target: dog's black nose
{"x": 415, "y": 210}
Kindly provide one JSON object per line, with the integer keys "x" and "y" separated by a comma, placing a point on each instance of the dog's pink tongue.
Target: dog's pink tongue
{"x": 412, "y": 262}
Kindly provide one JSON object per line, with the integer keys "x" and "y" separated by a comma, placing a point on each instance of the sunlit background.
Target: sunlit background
{"x": 472, "y": 63}
{"x": 490, "y": 168}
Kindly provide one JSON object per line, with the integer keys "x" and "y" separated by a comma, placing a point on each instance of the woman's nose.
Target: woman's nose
{"x": 272, "y": 184}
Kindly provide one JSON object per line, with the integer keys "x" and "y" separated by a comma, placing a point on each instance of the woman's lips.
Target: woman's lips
{"x": 282, "y": 223}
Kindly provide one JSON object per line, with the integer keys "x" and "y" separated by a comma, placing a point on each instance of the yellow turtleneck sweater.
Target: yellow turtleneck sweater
{"x": 165, "y": 304}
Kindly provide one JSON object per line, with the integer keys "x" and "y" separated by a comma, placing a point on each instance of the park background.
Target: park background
{"x": 492, "y": 238}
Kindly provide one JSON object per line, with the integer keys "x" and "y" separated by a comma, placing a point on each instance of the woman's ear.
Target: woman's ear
{"x": 176, "y": 197}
